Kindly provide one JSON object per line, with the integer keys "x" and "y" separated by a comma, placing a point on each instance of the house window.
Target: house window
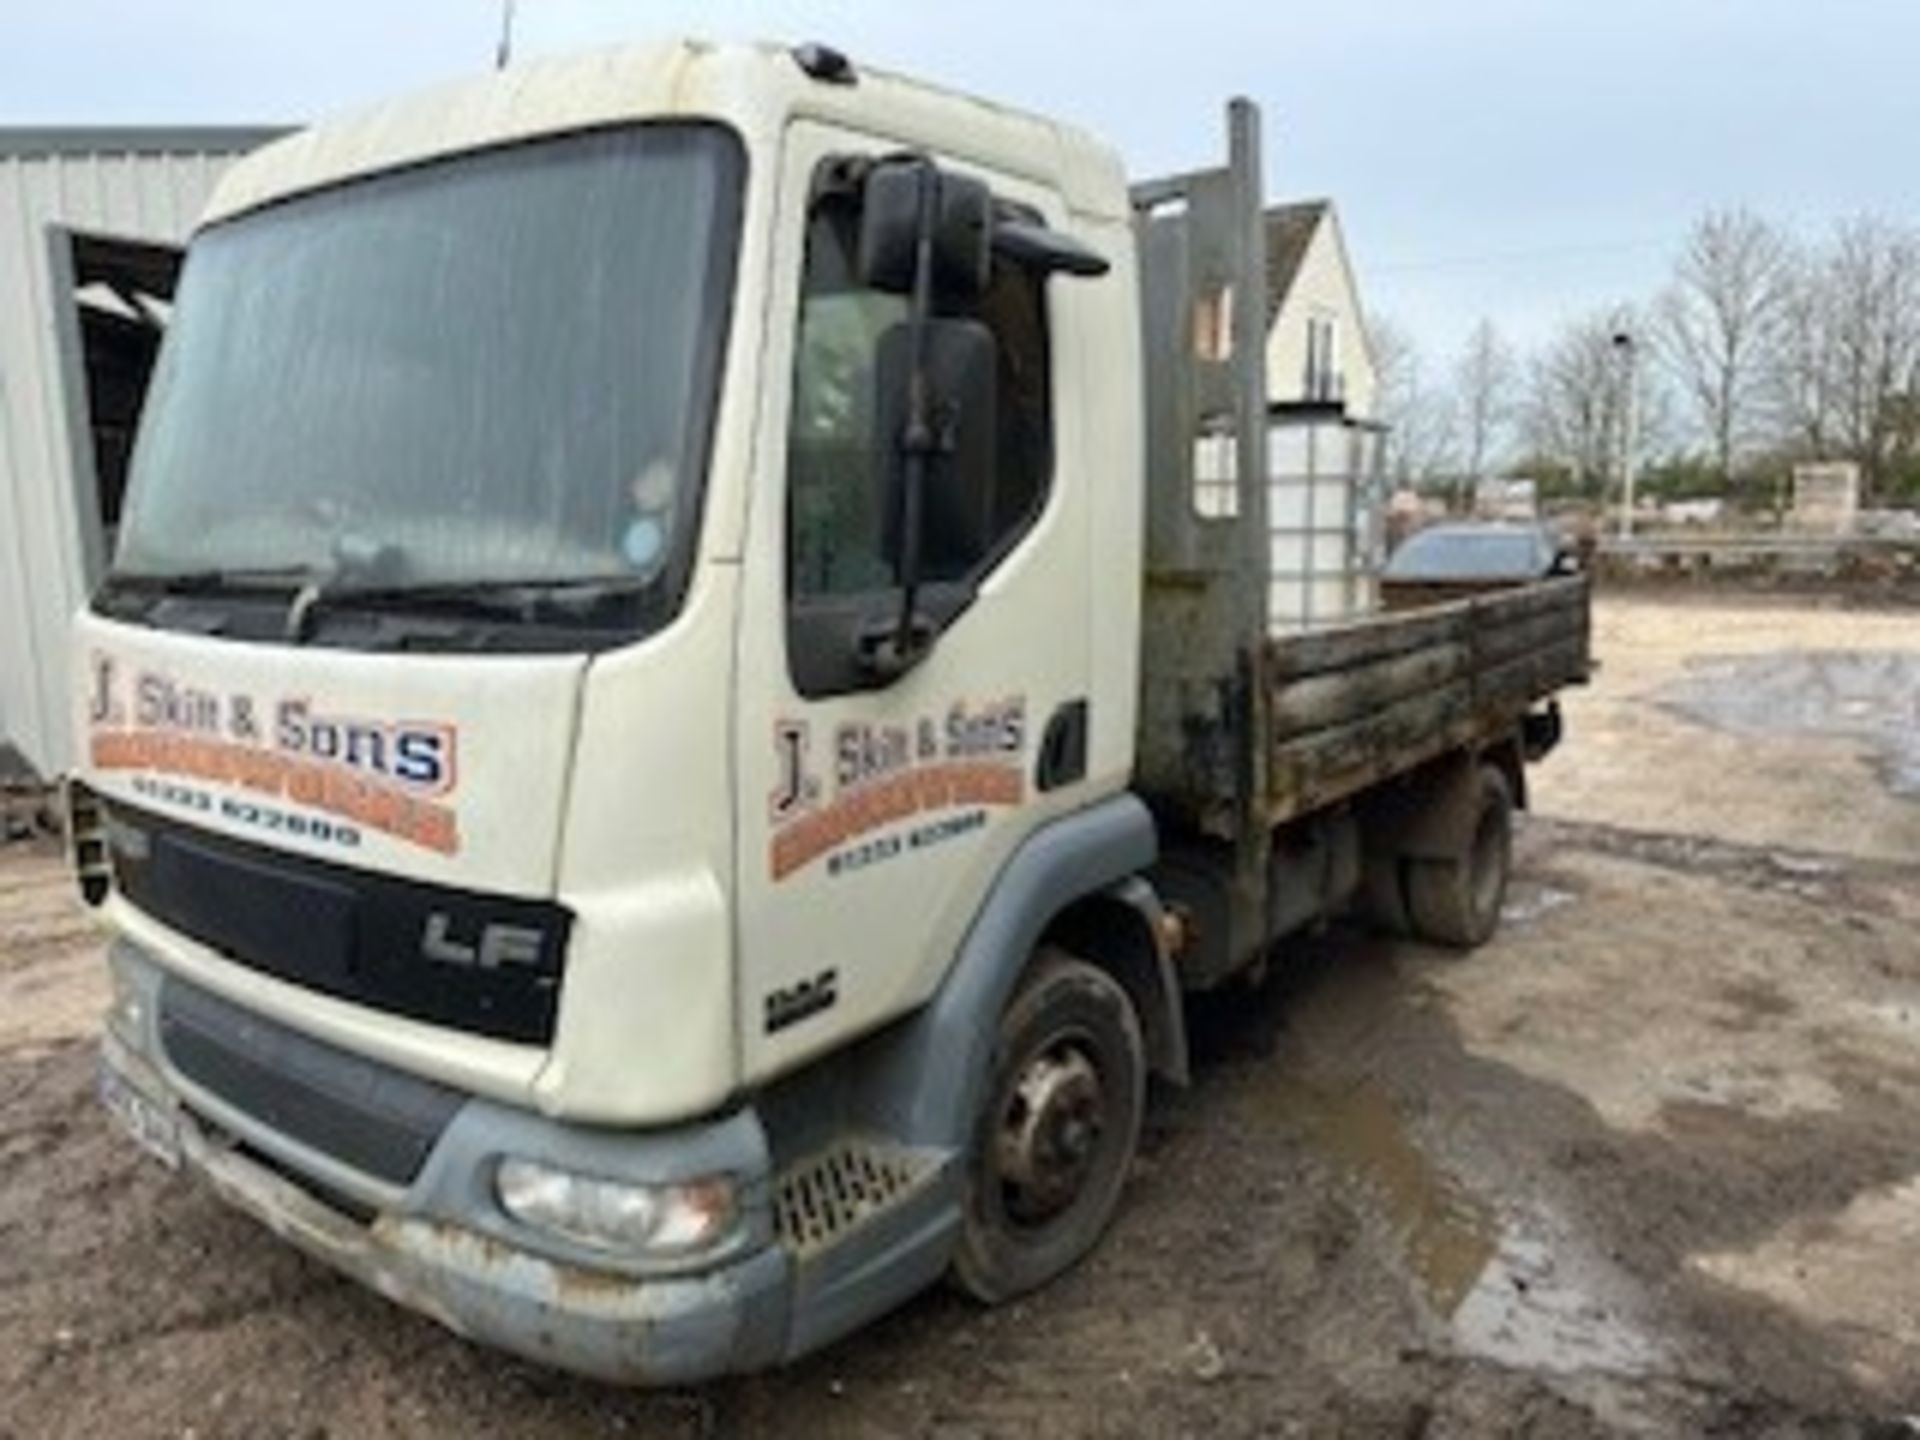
{"x": 1323, "y": 382}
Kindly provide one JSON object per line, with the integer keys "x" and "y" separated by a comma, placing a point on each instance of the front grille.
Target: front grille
{"x": 821, "y": 1197}
{"x": 366, "y": 1116}
{"x": 358, "y": 935}
{"x": 353, "y": 1211}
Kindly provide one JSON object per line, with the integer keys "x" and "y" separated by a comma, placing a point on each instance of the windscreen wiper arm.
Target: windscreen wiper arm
{"x": 523, "y": 601}
{"x": 213, "y": 579}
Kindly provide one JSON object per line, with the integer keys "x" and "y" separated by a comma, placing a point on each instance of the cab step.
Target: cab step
{"x": 819, "y": 1198}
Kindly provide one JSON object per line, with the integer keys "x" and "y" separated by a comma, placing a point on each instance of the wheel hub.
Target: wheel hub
{"x": 1049, "y": 1133}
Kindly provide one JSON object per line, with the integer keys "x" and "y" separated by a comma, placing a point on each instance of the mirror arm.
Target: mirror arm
{"x": 919, "y": 437}
{"x": 901, "y": 646}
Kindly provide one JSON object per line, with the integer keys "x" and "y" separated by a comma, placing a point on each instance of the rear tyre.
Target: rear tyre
{"x": 1456, "y": 900}
{"x": 1057, "y": 1133}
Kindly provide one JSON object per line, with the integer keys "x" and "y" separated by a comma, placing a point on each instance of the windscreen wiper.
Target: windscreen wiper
{"x": 213, "y": 580}
{"x": 524, "y": 601}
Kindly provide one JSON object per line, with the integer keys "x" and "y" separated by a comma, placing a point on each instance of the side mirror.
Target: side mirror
{"x": 956, "y": 520}
{"x": 959, "y": 216}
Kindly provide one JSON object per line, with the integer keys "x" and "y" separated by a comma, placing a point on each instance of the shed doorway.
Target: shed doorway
{"x": 113, "y": 299}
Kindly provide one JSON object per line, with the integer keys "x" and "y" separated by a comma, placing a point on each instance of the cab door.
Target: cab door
{"x": 875, "y": 812}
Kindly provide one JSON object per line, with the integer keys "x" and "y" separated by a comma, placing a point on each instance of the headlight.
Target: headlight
{"x": 126, "y": 1015}
{"x": 614, "y": 1215}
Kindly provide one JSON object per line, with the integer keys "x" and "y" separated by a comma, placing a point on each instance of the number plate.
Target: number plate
{"x": 152, "y": 1128}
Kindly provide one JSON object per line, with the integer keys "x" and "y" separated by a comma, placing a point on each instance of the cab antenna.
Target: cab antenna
{"x": 505, "y": 51}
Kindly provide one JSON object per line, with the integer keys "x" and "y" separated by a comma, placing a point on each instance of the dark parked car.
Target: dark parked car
{"x": 1448, "y": 561}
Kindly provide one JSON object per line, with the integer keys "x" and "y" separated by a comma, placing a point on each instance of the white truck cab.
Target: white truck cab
{"x": 612, "y": 740}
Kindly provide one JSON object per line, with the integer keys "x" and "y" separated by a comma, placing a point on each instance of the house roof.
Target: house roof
{"x": 1290, "y": 230}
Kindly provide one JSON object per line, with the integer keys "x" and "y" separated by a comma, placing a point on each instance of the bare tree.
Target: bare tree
{"x": 1484, "y": 379}
{"x": 1418, "y": 416}
{"x": 1800, "y": 367}
{"x": 1717, "y": 322}
{"x": 1871, "y": 293}
{"x": 1576, "y": 407}
{"x": 1573, "y": 401}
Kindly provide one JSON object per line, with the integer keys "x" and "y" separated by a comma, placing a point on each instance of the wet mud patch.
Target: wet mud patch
{"x": 1857, "y": 890}
{"x": 1753, "y": 1002}
{"x": 1529, "y": 1232}
{"x": 1869, "y": 696}
{"x": 1588, "y": 1238}
{"x": 1500, "y": 1280}
{"x": 1832, "y": 1268}
{"x": 1710, "y": 1062}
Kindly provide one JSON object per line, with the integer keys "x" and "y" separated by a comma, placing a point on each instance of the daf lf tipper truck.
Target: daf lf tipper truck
{"x": 665, "y": 733}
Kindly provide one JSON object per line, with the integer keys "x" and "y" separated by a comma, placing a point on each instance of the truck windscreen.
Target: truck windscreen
{"x": 489, "y": 371}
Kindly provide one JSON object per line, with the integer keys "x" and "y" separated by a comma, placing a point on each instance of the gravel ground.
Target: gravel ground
{"x": 1646, "y": 1164}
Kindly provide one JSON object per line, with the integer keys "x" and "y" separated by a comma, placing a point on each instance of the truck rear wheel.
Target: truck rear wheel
{"x": 1457, "y": 900}
{"x": 1057, "y": 1134}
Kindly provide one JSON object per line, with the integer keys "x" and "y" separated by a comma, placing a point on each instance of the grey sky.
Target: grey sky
{"x": 1523, "y": 159}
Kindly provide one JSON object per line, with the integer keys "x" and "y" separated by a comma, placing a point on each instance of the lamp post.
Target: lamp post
{"x": 1630, "y": 427}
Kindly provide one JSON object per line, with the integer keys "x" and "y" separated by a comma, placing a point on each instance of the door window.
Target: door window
{"x": 838, "y": 566}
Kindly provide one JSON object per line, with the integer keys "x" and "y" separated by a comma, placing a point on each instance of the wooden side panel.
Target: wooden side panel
{"x": 1357, "y": 704}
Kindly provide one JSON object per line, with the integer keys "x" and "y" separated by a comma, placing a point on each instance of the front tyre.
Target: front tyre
{"x": 1057, "y": 1134}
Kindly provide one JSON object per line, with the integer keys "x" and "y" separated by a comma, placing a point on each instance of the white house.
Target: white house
{"x": 1317, "y": 348}
{"x": 1326, "y": 502}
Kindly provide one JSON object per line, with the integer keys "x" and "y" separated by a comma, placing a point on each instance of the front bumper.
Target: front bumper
{"x": 439, "y": 1242}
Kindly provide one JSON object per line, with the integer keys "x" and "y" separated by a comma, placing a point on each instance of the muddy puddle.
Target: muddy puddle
{"x": 1528, "y": 901}
{"x": 1871, "y": 696}
{"x": 1509, "y": 1283}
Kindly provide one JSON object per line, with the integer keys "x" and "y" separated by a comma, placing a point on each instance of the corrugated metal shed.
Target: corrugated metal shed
{"x": 136, "y": 184}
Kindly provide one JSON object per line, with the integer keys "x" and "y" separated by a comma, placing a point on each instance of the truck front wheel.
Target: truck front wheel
{"x": 1056, "y": 1137}
{"x": 1457, "y": 900}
